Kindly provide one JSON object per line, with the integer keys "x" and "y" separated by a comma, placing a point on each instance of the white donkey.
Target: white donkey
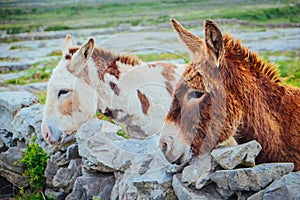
{"x": 137, "y": 95}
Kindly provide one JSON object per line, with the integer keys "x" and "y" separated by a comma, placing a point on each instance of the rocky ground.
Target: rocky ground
{"x": 37, "y": 48}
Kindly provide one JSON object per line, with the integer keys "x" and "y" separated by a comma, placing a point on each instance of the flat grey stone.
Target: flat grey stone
{"x": 27, "y": 122}
{"x": 99, "y": 144}
{"x": 228, "y": 157}
{"x": 198, "y": 171}
{"x": 185, "y": 193}
{"x": 92, "y": 186}
{"x": 10, "y": 169}
{"x": 11, "y": 103}
{"x": 287, "y": 187}
{"x": 251, "y": 179}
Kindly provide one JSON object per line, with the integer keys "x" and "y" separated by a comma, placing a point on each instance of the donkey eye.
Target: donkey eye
{"x": 195, "y": 95}
{"x": 62, "y": 92}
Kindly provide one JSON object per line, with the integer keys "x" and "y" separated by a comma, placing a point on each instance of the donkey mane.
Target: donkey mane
{"x": 125, "y": 59}
{"x": 106, "y": 61}
{"x": 268, "y": 69}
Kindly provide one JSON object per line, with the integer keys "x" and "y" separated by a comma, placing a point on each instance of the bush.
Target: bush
{"x": 35, "y": 160}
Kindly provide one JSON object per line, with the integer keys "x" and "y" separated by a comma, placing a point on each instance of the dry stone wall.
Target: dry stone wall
{"x": 102, "y": 164}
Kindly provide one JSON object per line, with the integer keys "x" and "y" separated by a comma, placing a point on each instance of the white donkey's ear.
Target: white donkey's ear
{"x": 69, "y": 42}
{"x": 81, "y": 57}
{"x": 193, "y": 42}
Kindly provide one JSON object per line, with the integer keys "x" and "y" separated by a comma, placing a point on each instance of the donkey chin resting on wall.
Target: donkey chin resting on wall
{"x": 227, "y": 91}
{"x": 88, "y": 78}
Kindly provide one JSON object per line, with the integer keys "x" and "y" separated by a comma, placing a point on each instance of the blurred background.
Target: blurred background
{"x": 32, "y": 32}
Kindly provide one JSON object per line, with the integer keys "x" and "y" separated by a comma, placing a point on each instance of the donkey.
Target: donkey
{"x": 228, "y": 91}
{"x": 88, "y": 78}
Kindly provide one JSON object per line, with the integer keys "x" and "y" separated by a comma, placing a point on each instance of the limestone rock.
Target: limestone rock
{"x": 11, "y": 103}
{"x": 150, "y": 185}
{"x": 99, "y": 144}
{"x": 57, "y": 195}
{"x": 257, "y": 196}
{"x": 50, "y": 171}
{"x": 144, "y": 165}
{"x": 198, "y": 171}
{"x": 251, "y": 179}
{"x": 6, "y": 189}
{"x": 287, "y": 187}
{"x": 54, "y": 163}
{"x": 72, "y": 152}
{"x": 185, "y": 193}
{"x": 65, "y": 177}
{"x": 229, "y": 157}
{"x": 92, "y": 186}
{"x": 225, "y": 193}
{"x": 27, "y": 123}
{"x": 10, "y": 170}
{"x": 6, "y": 138}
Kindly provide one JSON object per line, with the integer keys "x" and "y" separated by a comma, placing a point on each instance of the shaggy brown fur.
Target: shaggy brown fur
{"x": 105, "y": 61}
{"x": 243, "y": 97}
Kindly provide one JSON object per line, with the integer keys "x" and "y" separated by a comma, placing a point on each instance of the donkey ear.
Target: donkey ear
{"x": 69, "y": 42}
{"x": 214, "y": 41}
{"x": 193, "y": 43}
{"x": 81, "y": 57}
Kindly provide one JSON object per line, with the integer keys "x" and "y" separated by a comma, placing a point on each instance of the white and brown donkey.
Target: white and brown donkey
{"x": 137, "y": 95}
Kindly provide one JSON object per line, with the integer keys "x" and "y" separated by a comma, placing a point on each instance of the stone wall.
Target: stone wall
{"x": 101, "y": 164}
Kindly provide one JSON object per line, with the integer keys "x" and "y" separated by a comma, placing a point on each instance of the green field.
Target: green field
{"x": 27, "y": 16}
{"x": 17, "y": 17}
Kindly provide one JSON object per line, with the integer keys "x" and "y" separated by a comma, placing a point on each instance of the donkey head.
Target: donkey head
{"x": 69, "y": 102}
{"x": 195, "y": 120}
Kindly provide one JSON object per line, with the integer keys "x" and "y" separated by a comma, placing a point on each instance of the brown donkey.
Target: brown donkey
{"x": 228, "y": 91}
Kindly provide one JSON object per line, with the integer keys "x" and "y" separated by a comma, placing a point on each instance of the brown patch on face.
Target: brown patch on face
{"x": 70, "y": 104}
{"x": 144, "y": 102}
{"x": 115, "y": 88}
{"x": 106, "y": 62}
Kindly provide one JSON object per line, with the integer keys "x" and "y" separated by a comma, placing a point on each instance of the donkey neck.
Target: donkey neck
{"x": 106, "y": 69}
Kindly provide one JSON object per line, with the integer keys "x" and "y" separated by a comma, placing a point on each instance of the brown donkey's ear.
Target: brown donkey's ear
{"x": 193, "y": 43}
{"x": 81, "y": 57}
{"x": 214, "y": 41}
{"x": 69, "y": 42}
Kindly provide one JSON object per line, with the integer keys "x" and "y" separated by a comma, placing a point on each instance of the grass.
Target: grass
{"x": 289, "y": 65}
{"x": 20, "y": 47}
{"x": 55, "y": 53}
{"x": 122, "y": 132}
{"x": 162, "y": 56}
{"x": 41, "y": 95}
{"x": 34, "y": 74}
{"x": 62, "y": 16}
{"x": 8, "y": 59}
